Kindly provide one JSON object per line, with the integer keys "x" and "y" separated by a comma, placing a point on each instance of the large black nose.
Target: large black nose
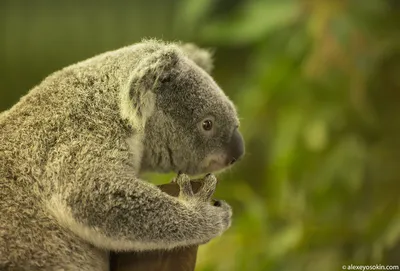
{"x": 236, "y": 147}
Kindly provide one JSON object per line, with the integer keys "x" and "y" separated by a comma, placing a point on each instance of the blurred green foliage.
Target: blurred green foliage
{"x": 317, "y": 86}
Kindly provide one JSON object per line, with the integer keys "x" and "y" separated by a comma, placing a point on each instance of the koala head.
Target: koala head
{"x": 188, "y": 123}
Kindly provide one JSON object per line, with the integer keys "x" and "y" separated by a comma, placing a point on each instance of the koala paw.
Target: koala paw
{"x": 180, "y": 174}
{"x": 215, "y": 217}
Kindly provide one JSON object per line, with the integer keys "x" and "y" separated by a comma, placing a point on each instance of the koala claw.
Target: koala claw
{"x": 185, "y": 186}
{"x": 217, "y": 203}
{"x": 207, "y": 190}
{"x": 175, "y": 178}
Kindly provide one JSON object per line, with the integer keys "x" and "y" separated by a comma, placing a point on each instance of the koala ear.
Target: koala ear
{"x": 201, "y": 57}
{"x": 138, "y": 96}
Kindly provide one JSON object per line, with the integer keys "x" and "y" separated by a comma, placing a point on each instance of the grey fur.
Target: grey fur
{"x": 71, "y": 151}
{"x": 200, "y": 56}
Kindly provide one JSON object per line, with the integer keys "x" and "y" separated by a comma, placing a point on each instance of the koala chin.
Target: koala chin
{"x": 73, "y": 149}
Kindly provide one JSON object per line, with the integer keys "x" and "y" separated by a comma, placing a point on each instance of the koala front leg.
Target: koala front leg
{"x": 121, "y": 213}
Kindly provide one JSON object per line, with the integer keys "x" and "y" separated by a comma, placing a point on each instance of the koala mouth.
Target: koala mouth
{"x": 216, "y": 163}
{"x": 214, "y": 166}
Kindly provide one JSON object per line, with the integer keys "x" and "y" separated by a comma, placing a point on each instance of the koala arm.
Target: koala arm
{"x": 108, "y": 206}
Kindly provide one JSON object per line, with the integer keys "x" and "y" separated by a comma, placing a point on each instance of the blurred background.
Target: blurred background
{"x": 317, "y": 86}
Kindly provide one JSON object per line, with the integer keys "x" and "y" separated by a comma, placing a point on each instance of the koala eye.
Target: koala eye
{"x": 207, "y": 125}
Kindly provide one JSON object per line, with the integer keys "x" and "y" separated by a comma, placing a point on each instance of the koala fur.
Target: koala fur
{"x": 72, "y": 149}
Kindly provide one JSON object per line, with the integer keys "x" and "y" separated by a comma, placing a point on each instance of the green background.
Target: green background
{"x": 316, "y": 84}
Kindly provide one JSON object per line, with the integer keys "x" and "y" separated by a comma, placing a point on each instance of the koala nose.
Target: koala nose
{"x": 236, "y": 147}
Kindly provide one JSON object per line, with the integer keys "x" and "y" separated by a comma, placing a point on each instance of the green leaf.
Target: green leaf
{"x": 253, "y": 22}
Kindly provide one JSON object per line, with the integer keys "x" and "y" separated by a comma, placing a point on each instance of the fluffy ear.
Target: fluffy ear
{"x": 137, "y": 98}
{"x": 201, "y": 57}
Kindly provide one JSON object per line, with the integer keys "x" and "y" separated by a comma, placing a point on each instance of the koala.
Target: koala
{"x": 73, "y": 149}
